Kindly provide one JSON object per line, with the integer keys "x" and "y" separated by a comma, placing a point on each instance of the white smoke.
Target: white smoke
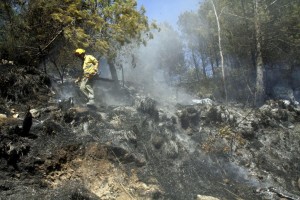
{"x": 150, "y": 74}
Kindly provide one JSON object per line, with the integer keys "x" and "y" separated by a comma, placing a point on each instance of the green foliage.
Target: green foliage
{"x": 11, "y": 27}
{"x": 98, "y": 25}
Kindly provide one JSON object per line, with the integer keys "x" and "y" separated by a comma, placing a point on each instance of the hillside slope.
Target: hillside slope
{"x": 142, "y": 148}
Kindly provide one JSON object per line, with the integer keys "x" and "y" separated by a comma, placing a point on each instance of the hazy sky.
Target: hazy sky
{"x": 167, "y": 10}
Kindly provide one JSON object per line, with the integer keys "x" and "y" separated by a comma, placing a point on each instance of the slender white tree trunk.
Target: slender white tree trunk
{"x": 220, "y": 50}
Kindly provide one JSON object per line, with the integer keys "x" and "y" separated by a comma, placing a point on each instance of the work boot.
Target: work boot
{"x": 91, "y": 102}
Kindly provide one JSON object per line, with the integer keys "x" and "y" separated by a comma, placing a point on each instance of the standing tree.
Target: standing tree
{"x": 99, "y": 25}
{"x": 104, "y": 26}
{"x": 195, "y": 37}
{"x": 170, "y": 52}
{"x": 11, "y": 26}
{"x": 220, "y": 50}
{"x": 254, "y": 34}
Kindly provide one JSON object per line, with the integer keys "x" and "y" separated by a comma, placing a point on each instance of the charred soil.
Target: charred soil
{"x": 141, "y": 149}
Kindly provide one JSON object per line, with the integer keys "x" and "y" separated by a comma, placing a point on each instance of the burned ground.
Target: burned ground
{"x": 140, "y": 149}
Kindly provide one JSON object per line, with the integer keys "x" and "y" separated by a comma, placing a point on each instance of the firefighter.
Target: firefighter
{"x": 90, "y": 69}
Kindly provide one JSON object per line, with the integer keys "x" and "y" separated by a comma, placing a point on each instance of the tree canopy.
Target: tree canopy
{"x": 100, "y": 25}
{"x": 255, "y": 34}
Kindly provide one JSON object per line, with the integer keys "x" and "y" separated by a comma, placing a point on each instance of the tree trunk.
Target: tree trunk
{"x": 60, "y": 72}
{"x": 196, "y": 65}
{"x": 44, "y": 66}
{"x": 123, "y": 79}
{"x": 212, "y": 66}
{"x": 252, "y": 51}
{"x": 113, "y": 70}
{"x": 203, "y": 66}
{"x": 221, "y": 51}
{"x": 260, "y": 88}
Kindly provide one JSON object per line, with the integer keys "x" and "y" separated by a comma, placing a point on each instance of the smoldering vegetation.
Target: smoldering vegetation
{"x": 156, "y": 136}
{"x": 187, "y": 143}
{"x": 141, "y": 149}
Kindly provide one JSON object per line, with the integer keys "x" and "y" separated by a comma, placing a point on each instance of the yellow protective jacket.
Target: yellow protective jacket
{"x": 90, "y": 66}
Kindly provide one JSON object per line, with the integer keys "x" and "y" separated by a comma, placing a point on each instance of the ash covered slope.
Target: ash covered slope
{"x": 146, "y": 149}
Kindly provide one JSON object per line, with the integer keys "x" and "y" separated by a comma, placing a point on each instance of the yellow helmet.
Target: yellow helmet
{"x": 80, "y": 51}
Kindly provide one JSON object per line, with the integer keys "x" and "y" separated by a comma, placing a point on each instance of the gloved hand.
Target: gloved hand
{"x": 89, "y": 75}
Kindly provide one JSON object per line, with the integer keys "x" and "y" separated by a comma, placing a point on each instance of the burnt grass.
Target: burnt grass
{"x": 198, "y": 149}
